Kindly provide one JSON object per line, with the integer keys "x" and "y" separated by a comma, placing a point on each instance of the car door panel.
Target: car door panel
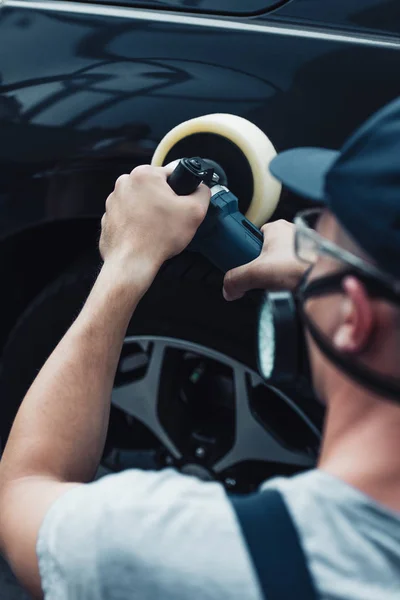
{"x": 86, "y": 95}
{"x": 225, "y": 7}
{"x": 375, "y": 16}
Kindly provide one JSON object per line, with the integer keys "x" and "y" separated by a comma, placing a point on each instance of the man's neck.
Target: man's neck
{"x": 361, "y": 443}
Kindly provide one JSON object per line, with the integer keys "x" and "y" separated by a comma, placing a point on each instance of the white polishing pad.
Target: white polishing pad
{"x": 251, "y": 141}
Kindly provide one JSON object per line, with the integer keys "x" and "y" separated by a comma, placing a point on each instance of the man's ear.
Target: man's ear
{"x": 356, "y": 318}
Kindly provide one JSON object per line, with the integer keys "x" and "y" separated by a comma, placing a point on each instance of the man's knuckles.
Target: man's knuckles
{"x": 109, "y": 202}
{"x": 122, "y": 179}
{"x": 196, "y": 213}
{"x": 277, "y": 228}
{"x": 144, "y": 174}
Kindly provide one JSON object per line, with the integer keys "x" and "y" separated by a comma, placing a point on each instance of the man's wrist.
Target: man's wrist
{"x": 134, "y": 275}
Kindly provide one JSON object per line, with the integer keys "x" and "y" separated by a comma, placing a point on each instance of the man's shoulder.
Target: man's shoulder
{"x": 158, "y": 533}
{"x": 172, "y": 535}
{"x": 352, "y": 543}
{"x": 165, "y": 529}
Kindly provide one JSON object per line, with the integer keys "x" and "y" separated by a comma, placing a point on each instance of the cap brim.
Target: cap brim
{"x": 303, "y": 170}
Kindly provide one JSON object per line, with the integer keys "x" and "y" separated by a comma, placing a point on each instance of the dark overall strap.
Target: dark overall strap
{"x": 274, "y": 546}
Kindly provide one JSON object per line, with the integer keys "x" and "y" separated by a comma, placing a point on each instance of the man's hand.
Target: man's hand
{"x": 145, "y": 221}
{"x": 276, "y": 268}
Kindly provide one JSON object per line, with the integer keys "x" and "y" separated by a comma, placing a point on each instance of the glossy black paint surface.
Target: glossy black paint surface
{"x": 375, "y": 16}
{"x": 85, "y": 97}
{"x": 228, "y": 7}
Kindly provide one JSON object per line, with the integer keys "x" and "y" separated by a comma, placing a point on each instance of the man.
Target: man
{"x": 150, "y": 535}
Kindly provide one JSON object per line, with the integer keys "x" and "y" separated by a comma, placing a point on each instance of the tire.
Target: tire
{"x": 185, "y": 302}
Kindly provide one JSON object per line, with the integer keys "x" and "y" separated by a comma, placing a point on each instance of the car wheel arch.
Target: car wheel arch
{"x": 31, "y": 258}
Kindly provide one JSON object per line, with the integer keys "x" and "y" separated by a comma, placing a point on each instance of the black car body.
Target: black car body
{"x": 88, "y": 89}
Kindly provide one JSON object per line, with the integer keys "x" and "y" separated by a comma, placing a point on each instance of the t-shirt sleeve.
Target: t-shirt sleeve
{"x": 144, "y": 535}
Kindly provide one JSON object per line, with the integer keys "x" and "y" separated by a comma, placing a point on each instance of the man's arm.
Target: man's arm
{"x": 58, "y": 436}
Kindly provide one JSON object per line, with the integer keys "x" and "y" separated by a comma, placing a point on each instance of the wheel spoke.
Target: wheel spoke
{"x": 139, "y": 399}
{"x": 252, "y": 440}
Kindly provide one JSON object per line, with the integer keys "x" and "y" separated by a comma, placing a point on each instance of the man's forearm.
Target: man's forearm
{"x": 61, "y": 426}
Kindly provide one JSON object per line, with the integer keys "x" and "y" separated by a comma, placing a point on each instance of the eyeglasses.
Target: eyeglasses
{"x": 309, "y": 245}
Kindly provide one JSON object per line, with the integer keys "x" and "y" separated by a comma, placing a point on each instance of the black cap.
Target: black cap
{"x": 360, "y": 184}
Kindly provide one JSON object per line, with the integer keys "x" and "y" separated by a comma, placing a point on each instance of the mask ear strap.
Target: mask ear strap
{"x": 329, "y": 284}
{"x": 322, "y": 286}
{"x": 382, "y": 385}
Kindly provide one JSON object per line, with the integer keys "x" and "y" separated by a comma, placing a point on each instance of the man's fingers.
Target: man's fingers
{"x": 202, "y": 196}
{"x": 240, "y": 280}
{"x": 170, "y": 167}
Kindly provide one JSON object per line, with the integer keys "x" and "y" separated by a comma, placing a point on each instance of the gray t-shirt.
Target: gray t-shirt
{"x": 164, "y": 535}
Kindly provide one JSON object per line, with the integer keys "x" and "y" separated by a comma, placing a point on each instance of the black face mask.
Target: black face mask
{"x": 282, "y": 348}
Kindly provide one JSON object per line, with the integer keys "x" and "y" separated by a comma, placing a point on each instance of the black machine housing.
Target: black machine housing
{"x": 225, "y": 237}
